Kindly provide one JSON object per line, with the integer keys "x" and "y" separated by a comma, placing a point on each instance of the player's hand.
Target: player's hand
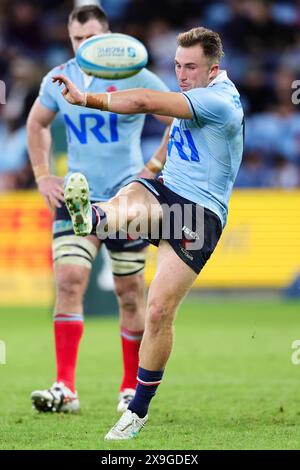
{"x": 146, "y": 173}
{"x": 70, "y": 92}
{"x": 51, "y": 188}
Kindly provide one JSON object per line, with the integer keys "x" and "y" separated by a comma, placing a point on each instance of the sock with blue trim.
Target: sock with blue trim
{"x": 148, "y": 381}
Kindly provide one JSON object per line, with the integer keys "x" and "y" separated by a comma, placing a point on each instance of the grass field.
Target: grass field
{"x": 230, "y": 383}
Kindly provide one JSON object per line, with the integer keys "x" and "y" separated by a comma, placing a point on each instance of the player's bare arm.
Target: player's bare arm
{"x": 39, "y": 145}
{"x": 133, "y": 101}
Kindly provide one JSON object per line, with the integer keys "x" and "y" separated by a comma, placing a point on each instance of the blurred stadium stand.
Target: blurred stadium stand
{"x": 262, "y": 55}
{"x": 262, "y": 45}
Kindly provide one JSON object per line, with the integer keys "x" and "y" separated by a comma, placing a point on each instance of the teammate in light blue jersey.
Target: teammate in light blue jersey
{"x": 204, "y": 154}
{"x": 106, "y": 148}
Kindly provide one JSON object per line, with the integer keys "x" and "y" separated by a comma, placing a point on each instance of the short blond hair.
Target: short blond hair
{"x": 209, "y": 40}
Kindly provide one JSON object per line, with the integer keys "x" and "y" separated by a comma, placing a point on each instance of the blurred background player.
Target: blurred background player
{"x": 106, "y": 148}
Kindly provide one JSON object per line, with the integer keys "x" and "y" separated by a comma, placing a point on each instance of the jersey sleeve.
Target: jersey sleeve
{"x": 207, "y": 105}
{"x": 48, "y": 93}
{"x": 150, "y": 80}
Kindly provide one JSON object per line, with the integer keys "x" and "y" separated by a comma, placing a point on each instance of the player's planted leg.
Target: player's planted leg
{"x": 163, "y": 301}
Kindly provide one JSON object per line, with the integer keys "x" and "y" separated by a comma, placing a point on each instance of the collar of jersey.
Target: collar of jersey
{"x": 221, "y": 77}
{"x": 87, "y": 79}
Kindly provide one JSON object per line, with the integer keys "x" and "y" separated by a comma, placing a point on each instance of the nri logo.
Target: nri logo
{"x": 92, "y": 125}
{"x": 2, "y": 353}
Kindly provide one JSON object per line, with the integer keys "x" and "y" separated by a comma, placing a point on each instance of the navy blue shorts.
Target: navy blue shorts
{"x": 193, "y": 232}
{"x": 63, "y": 226}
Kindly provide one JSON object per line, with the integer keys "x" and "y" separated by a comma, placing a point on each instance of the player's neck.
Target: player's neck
{"x": 221, "y": 75}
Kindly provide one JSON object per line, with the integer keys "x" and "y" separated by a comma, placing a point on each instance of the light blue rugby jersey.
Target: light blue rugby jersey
{"x": 105, "y": 147}
{"x": 205, "y": 152}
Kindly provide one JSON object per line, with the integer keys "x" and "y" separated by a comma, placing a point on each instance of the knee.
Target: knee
{"x": 129, "y": 299}
{"x": 159, "y": 316}
{"x": 125, "y": 200}
{"x": 69, "y": 283}
{"x": 135, "y": 211}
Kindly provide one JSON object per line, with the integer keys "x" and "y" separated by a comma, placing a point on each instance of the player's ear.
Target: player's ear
{"x": 214, "y": 70}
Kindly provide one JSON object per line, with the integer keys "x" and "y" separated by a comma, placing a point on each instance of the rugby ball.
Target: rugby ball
{"x": 112, "y": 55}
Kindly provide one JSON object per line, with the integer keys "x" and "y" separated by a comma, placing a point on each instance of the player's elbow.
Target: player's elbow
{"x": 33, "y": 127}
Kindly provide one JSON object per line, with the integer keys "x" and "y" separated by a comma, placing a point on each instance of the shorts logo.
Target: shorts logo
{"x": 186, "y": 253}
{"x": 190, "y": 233}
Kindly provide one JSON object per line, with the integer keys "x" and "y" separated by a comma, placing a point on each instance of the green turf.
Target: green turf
{"x": 230, "y": 383}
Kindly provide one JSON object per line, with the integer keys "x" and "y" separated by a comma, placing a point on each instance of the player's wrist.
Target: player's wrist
{"x": 100, "y": 101}
{"x": 41, "y": 171}
{"x": 84, "y": 99}
{"x": 154, "y": 165}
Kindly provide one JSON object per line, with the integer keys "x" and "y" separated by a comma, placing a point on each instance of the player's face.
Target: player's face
{"x": 192, "y": 68}
{"x": 79, "y": 32}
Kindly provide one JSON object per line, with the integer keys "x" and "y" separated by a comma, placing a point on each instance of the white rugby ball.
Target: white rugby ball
{"x": 112, "y": 55}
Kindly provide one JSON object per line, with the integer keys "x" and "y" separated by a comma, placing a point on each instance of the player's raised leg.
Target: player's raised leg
{"x": 132, "y": 203}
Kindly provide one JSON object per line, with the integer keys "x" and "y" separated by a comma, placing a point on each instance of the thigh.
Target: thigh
{"x": 67, "y": 248}
{"x": 128, "y": 272}
{"x": 173, "y": 278}
{"x": 135, "y": 194}
{"x": 72, "y": 255}
{"x": 70, "y": 249}
{"x": 128, "y": 256}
